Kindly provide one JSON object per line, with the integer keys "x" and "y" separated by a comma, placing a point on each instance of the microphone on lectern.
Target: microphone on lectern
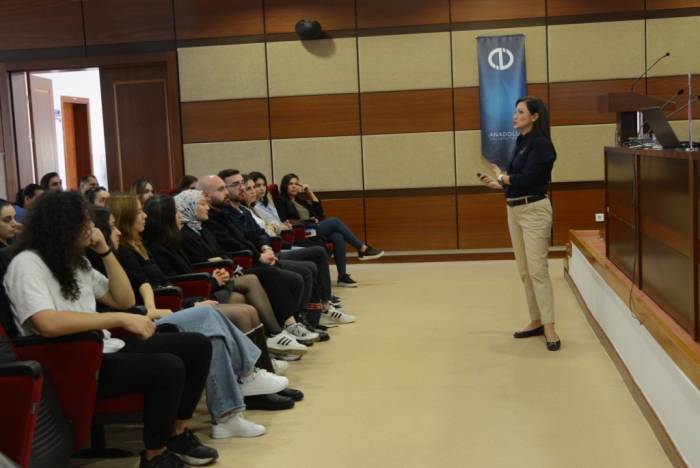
{"x": 647, "y": 70}
{"x": 672, "y": 99}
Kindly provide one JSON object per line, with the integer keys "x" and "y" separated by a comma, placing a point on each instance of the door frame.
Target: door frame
{"x": 7, "y": 133}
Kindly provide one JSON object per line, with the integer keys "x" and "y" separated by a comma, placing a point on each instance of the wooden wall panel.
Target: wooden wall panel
{"x": 665, "y": 87}
{"x": 231, "y": 120}
{"x": 389, "y": 13}
{"x": 282, "y": 15}
{"x": 350, "y": 210}
{"x": 314, "y": 116}
{"x": 576, "y": 209}
{"x": 576, "y": 102}
{"x": 39, "y": 24}
{"x": 200, "y": 19}
{"x": 592, "y": 7}
{"x": 412, "y": 222}
{"x": 407, "y": 111}
{"x": 466, "y": 108}
{"x": 483, "y": 10}
{"x": 467, "y": 101}
{"x": 671, "y": 4}
{"x": 483, "y": 222}
{"x": 122, "y": 21}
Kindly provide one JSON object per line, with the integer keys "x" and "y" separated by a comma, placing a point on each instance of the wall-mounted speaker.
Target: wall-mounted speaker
{"x": 307, "y": 29}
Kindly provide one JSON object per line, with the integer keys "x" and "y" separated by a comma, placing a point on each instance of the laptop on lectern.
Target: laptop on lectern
{"x": 658, "y": 124}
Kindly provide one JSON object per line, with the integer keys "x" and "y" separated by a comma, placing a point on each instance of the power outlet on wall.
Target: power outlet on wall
{"x": 599, "y": 217}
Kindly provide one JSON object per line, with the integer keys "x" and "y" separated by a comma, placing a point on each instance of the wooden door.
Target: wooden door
{"x": 43, "y": 125}
{"x": 142, "y": 125}
{"x": 76, "y": 138}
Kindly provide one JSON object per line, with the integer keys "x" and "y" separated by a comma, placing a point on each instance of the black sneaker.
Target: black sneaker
{"x": 336, "y": 301}
{"x": 189, "y": 449}
{"x": 166, "y": 459}
{"x": 370, "y": 253}
{"x": 346, "y": 282}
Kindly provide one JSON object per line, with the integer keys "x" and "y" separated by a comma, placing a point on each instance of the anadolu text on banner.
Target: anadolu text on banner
{"x": 502, "y": 81}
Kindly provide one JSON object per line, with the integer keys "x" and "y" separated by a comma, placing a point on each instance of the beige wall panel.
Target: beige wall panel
{"x": 580, "y": 151}
{"x": 405, "y": 61}
{"x": 327, "y": 66}
{"x": 681, "y": 37}
{"x": 209, "y": 158}
{"x": 680, "y": 127}
{"x": 464, "y": 55}
{"x": 469, "y": 158}
{"x": 596, "y": 51}
{"x": 409, "y": 160}
{"x": 222, "y": 72}
{"x": 326, "y": 164}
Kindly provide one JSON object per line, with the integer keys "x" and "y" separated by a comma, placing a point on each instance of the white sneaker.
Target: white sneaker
{"x": 262, "y": 382}
{"x": 236, "y": 426}
{"x": 285, "y": 343}
{"x": 280, "y": 366}
{"x": 289, "y": 357}
{"x": 301, "y": 333}
{"x": 335, "y": 316}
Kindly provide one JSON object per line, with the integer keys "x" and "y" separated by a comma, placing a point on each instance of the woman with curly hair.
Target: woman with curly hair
{"x": 53, "y": 292}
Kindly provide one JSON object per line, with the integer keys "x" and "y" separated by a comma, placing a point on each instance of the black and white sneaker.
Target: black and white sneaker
{"x": 346, "y": 282}
{"x": 188, "y": 448}
{"x": 336, "y": 301}
{"x": 370, "y": 253}
{"x": 166, "y": 459}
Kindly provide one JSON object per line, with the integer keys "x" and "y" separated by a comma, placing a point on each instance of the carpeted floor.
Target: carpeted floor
{"x": 429, "y": 376}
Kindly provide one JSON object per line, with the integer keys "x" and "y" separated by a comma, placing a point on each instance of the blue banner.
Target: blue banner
{"x": 502, "y": 81}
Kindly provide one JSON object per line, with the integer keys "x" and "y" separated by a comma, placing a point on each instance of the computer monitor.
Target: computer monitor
{"x": 659, "y": 125}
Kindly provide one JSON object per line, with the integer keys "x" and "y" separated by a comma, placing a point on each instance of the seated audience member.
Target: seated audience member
{"x": 163, "y": 238}
{"x": 51, "y": 181}
{"x": 88, "y": 182}
{"x": 143, "y": 189}
{"x": 97, "y": 196}
{"x": 298, "y": 203}
{"x": 8, "y": 223}
{"x": 53, "y": 292}
{"x": 186, "y": 183}
{"x": 314, "y": 258}
{"x": 233, "y": 353}
{"x": 261, "y": 203}
{"x": 25, "y": 198}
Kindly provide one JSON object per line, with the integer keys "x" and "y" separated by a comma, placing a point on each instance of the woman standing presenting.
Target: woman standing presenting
{"x": 530, "y": 213}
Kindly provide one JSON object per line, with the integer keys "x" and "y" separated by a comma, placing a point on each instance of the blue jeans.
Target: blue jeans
{"x": 233, "y": 355}
{"x": 337, "y": 232}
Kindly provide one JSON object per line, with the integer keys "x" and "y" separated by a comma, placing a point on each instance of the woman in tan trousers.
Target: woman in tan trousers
{"x": 526, "y": 184}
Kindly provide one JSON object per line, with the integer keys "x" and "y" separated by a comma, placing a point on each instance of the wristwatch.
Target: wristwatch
{"x": 500, "y": 179}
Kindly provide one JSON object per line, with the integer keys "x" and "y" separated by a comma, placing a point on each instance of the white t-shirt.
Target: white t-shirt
{"x": 31, "y": 288}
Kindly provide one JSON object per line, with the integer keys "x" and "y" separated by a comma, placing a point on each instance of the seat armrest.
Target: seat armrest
{"x": 20, "y": 368}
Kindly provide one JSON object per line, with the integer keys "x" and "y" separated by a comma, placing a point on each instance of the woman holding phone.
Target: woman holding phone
{"x": 526, "y": 184}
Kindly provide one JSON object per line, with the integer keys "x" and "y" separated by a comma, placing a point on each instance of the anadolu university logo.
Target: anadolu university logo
{"x": 501, "y": 58}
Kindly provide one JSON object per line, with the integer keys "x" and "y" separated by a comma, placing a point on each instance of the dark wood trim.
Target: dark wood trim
{"x": 77, "y": 63}
{"x": 648, "y": 412}
{"x": 466, "y": 255}
{"x": 42, "y": 54}
{"x": 132, "y": 48}
{"x": 214, "y": 41}
{"x": 595, "y": 18}
{"x": 498, "y": 24}
{"x": 581, "y": 185}
{"x": 337, "y": 34}
{"x": 411, "y": 192}
{"x": 672, "y": 13}
{"x": 340, "y": 194}
{"x": 8, "y": 134}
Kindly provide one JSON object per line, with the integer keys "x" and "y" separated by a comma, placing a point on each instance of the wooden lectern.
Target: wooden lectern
{"x": 626, "y": 105}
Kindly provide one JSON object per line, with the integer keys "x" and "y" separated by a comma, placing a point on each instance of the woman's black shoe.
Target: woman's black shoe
{"x": 528, "y": 333}
{"x": 293, "y": 393}
{"x": 554, "y": 345}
